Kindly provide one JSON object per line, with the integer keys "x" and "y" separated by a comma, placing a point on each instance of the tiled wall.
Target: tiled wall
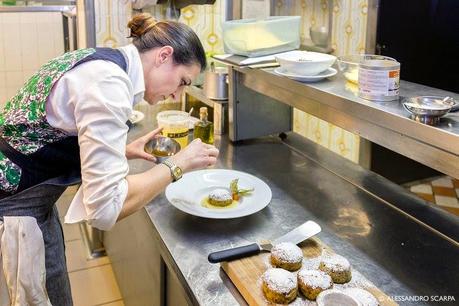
{"x": 27, "y": 40}
{"x": 112, "y": 17}
{"x": 349, "y": 21}
{"x": 206, "y": 21}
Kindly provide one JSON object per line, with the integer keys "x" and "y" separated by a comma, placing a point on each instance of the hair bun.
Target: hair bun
{"x": 140, "y": 24}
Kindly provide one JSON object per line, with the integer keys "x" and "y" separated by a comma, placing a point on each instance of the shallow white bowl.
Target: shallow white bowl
{"x": 333, "y": 297}
{"x": 304, "y": 62}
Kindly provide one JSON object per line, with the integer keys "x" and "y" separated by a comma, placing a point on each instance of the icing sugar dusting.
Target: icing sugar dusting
{"x": 363, "y": 296}
{"x": 220, "y": 195}
{"x": 357, "y": 281}
{"x": 287, "y": 252}
{"x": 280, "y": 280}
{"x": 336, "y": 262}
{"x": 315, "y": 279}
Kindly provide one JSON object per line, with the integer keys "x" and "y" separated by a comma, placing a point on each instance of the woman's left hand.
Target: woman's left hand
{"x": 136, "y": 148}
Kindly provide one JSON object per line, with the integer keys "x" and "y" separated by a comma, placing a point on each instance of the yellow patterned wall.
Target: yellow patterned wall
{"x": 348, "y": 37}
{"x": 111, "y": 18}
{"x": 205, "y": 20}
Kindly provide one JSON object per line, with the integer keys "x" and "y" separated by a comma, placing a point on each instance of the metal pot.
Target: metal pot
{"x": 216, "y": 83}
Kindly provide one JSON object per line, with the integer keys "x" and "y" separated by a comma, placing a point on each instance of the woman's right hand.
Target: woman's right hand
{"x": 196, "y": 155}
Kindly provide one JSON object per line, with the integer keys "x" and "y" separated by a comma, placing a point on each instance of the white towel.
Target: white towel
{"x": 22, "y": 263}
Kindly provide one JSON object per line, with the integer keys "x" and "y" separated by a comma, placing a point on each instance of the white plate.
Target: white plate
{"x": 187, "y": 193}
{"x": 136, "y": 117}
{"x": 306, "y": 78}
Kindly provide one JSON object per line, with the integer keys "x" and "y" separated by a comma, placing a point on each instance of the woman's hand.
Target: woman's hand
{"x": 196, "y": 155}
{"x": 136, "y": 148}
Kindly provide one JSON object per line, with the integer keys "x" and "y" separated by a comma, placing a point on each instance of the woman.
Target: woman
{"x": 70, "y": 118}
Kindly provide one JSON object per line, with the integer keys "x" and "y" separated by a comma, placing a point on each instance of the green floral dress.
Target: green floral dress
{"x": 23, "y": 121}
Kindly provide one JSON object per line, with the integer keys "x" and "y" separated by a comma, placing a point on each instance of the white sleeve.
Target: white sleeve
{"x": 101, "y": 113}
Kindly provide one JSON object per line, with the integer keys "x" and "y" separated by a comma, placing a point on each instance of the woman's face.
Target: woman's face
{"x": 164, "y": 78}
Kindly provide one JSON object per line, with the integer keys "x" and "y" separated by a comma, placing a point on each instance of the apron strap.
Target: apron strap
{"x": 14, "y": 155}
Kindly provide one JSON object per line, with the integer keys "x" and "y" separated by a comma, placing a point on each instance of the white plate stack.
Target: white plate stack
{"x": 305, "y": 66}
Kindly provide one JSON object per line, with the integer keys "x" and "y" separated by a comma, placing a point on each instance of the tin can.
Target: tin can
{"x": 379, "y": 78}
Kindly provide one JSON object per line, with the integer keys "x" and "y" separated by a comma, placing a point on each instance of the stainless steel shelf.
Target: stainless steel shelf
{"x": 385, "y": 123}
{"x": 220, "y": 107}
{"x": 198, "y": 93}
{"x": 44, "y": 8}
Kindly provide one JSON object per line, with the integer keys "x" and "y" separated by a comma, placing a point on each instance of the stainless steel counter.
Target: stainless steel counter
{"x": 355, "y": 208}
{"x": 385, "y": 123}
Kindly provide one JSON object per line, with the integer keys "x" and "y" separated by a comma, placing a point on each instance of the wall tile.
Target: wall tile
{"x": 28, "y": 18}
{"x": 26, "y": 74}
{"x": 112, "y": 17}
{"x": 206, "y": 21}
{"x": 2, "y": 48}
{"x": 13, "y": 61}
{"x": 27, "y": 40}
{"x": 2, "y": 88}
{"x": 14, "y": 79}
{"x": 2, "y": 79}
{"x": 2, "y": 97}
{"x": 10, "y": 92}
{"x": 11, "y": 18}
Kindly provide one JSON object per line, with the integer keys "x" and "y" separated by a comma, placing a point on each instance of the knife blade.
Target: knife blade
{"x": 295, "y": 236}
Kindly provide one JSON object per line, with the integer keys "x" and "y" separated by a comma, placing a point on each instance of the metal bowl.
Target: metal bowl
{"x": 428, "y": 109}
{"x": 319, "y": 36}
{"x": 162, "y": 148}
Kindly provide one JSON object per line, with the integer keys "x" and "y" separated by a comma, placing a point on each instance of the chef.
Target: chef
{"x": 68, "y": 124}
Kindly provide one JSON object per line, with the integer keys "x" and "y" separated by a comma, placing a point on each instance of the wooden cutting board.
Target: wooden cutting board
{"x": 246, "y": 274}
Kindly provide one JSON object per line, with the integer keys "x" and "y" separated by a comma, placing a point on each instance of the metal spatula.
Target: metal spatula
{"x": 295, "y": 236}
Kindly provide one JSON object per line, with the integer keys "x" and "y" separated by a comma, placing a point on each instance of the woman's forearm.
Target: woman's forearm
{"x": 143, "y": 187}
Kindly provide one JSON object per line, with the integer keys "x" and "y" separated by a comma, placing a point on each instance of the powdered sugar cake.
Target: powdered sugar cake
{"x": 246, "y": 275}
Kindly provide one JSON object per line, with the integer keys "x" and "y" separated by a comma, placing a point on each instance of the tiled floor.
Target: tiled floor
{"x": 92, "y": 280}
{"x": 442, "y": 191}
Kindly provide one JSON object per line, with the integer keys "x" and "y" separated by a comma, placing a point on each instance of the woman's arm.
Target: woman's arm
{"x": 143, "y": 187}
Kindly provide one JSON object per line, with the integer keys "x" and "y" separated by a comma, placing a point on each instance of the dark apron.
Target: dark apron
{"x": 38, "y": 192}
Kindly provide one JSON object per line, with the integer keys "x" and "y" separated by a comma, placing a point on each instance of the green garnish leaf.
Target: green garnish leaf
{"x": 235, "y": 189}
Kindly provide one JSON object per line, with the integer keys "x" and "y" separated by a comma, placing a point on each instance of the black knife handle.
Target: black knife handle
{"x": 234, "y": 253}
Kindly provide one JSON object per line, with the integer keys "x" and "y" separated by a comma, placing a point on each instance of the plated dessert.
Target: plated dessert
{"x": 225, "y": 197}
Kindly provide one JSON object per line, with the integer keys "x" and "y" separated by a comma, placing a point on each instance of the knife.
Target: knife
{"x": 295, "y": 236}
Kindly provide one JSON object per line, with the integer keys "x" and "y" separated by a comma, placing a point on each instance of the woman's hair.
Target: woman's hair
{"x": 147, "y": 33}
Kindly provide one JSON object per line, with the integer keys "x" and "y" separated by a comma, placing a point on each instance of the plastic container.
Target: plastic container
{"x": 252, "y": 37}
{"x": 175, "y": 125}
